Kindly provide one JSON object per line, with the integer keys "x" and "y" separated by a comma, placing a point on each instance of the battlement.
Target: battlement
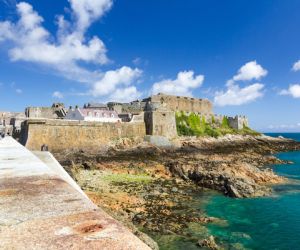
{"x": 183, "y": 103}
{"x": 238, "y": 122}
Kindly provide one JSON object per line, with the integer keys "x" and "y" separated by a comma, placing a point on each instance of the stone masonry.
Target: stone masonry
{"x": 160, "y": 121}
{"x": 183, "y": 103}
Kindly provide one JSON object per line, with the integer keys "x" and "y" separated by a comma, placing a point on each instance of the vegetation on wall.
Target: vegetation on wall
{"x": 194, "y": 125}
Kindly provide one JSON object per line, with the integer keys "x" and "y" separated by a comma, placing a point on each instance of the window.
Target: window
{"x": 89, "y": 113}
{"x": 112, "y": 115}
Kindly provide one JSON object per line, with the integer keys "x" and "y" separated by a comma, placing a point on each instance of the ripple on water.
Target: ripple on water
{"x": 262, "y": 223}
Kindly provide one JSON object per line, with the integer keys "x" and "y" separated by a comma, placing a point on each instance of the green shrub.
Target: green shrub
{"x": 248, "y": 131}
{"x": 195, "y": 125}
{"x": 225, "y": 122}
{"x": 213, "y": 121}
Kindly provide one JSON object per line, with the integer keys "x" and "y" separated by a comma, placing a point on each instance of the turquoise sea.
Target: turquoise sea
{"x": 262, "y": 223}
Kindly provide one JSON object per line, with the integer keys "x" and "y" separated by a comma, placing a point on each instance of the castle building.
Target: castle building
{"x": 93, "y": 105}
{"x": 56, "y": 111}
{"x": 10, "y": 122}
{"x": 92, "y": 115}
{"x": 183, "y": 103}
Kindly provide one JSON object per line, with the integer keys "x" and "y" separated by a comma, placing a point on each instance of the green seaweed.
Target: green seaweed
{"x": 122, "y": 177}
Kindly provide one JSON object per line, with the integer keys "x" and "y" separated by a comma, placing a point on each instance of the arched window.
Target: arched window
{"x": 89, "y": 113}
{"x": 112, "y": 115}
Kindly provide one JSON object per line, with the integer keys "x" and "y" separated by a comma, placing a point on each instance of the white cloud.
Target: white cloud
{"x": 182, "y": 85}
{"x": 126, "y": 94}
{"x": 58, "y": 95}
{"x": 293, "y": 90}
{"x": 114, "y": 79}
{"x": 234, "y": 95}
{"x": 19, "y": 91}
{"x": 296, "y": 66}
{"x": 249, "y": 71}
{"x": 33, "y": 43}
{"x": 87, "y": 11}
{"x": 66, "y": 51}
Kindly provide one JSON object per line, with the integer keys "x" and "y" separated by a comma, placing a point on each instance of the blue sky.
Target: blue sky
{"x": 240, "y": 54}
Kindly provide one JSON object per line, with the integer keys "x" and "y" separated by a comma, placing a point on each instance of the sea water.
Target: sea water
{"x": 262, "y": 223}
{"x": 254, "y": 223}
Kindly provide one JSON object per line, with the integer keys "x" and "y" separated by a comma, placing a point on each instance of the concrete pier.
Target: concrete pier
{"x": 41, "y": 207}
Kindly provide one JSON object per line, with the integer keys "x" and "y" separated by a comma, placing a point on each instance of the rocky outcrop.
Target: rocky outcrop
{"x": 236, "y": 179}
{"x": 234, "y": 165}
{"x": 209, "y": 243}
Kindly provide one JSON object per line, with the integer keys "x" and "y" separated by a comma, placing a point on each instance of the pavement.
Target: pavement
{"x": 41, "y": 207}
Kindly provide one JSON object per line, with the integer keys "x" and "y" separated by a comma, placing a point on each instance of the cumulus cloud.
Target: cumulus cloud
{"x": 126, "y": 94}
{"x": 237, "y": 95}
{"x": 184, "y": 84}
{"x": 87, "y": 11}
{"x": 114, "y": 79}
{"x": 249, "y": 71}
{"x": 33, "y": 43}
{"x": 57, "y": 94}
{"x": 66, "y": 51}
{"x": 296, "y": 66}
{"x": 234, "y": 95}
{"x": 293, "y": 90}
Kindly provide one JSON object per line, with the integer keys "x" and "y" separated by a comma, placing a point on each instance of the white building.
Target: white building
{"x": 92, "y": 115}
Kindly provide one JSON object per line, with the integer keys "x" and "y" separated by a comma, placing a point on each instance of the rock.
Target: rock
{"x": 232, "y": 165}
{"x": 148, "y": 240}
{"x": 209, "y": 243}
{"x": 232, "y": 191}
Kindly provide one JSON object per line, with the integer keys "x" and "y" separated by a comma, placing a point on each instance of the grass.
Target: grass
{"x": 195, "y": 125}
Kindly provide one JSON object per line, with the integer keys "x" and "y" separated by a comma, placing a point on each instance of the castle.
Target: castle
{"x": 153, "y": 116}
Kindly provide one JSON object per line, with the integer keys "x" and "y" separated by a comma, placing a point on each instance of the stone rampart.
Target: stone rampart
{"x": 238, "y": 122}
{"x": 182, "y": 103}
{"x": 62, "y": 134}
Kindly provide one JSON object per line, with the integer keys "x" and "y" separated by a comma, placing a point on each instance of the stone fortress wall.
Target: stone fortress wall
{"x": 154, "y": 116}
{"x": 173, "y": 103}
{"x": 236, "y": 122}
{"x": 67, "y": 135}
{"x": 57, "y": 110}
{"x": 182, "y": 103}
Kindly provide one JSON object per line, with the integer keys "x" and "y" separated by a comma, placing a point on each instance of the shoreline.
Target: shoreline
{"x": 149, "y": 189}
